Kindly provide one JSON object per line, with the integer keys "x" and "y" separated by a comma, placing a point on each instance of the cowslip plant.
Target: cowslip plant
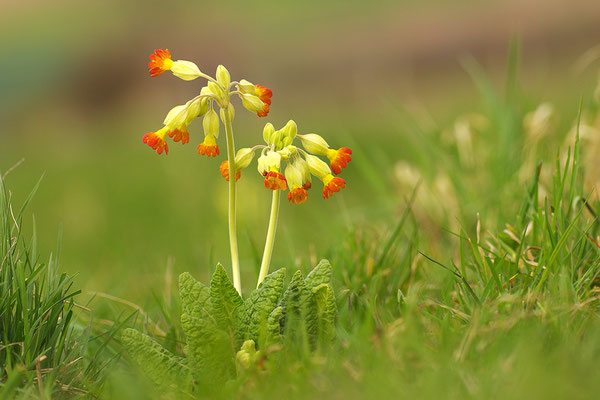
{"x": 227, "y": 337}
{"x": 217, "y": 93}
{"x": 278, "y": 149}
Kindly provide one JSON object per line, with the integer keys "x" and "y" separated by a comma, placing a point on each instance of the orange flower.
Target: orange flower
{"x": 331, "y": 185}
{"x": 339, "y": 159}
{"x": 264, "y": 94}
{"x": 306, "y": 185}
{"x": 180, "y": 133}
{"x": 156, "y": 140}
{"x": 224, "y": 168}
{"x": 297, "y": 195}
{"x": 209, "y": 147}
{"x": 275, "y": 180}
{"x": 160, "y": 62}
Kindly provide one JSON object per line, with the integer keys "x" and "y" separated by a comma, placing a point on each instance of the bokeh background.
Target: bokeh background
{"x": 76, "y": 99}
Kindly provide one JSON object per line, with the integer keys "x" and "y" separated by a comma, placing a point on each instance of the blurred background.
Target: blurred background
{"x": 380, "y": 77}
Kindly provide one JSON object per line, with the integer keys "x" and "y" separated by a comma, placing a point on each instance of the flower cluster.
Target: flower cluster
{"x": 300, "y": 164}
{"x": 216, "y": 93}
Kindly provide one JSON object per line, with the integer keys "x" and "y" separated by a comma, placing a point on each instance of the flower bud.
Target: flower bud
{"x": 196, "y": 109}
{"x": 285, "y": 153}
{"x": 185, "y": 70}
{"x": 223, "y": 77}
{"x": 314, "y": 143}
{"x": 246, "y": 87}
{"x": 216, "y": 90}
{"x": 268, "y": 132}
{"x": 176, "y": 117}
{"x": 244, "y": 157}
{"x": 317, "y": 166}
{"x": 293, "y": 176}
{"x": 273, "y": 159}
{"x": 289, "y": 132}
{"x": 252, "y": 102}
{"x": 211, "y": 124}
{"x": 303, "y": 167}
{"x": 261, "y": 164}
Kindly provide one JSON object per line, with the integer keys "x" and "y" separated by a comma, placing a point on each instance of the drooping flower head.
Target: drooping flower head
{"x": 209, "y": 147}
{"x": 255, "y": 98}
{"x": 339, "y": 159}
{"x": 160, "y": 61}
{"x": 294, "y": 177}
{"x": 331, "y": 185}
{"x": 156, "y": 140}
{"x": 264, "y": 94}
{"x": 180, "y": 134}
{"x": 275, "y": 180}
{"x": 224, "y": 168}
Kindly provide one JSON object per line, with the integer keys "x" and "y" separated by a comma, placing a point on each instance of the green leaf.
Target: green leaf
{"x": 195, "y": 296}
{"x": 274, "y": 327}
{"x": 160, "y": 365}
{"x": 261, "y": 303}
{"x": 326, "y": 312}
{"x": 319, "y": 275}
{"x": 208, "y": 349}
{"x": 225, "y": 300}
{"x": 299, "y": 311}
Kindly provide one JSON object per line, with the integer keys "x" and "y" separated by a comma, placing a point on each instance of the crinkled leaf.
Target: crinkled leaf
{"x": 225, "y": 300}
{"x": 274, "y": 326}
{"x": 160, "y": 365}
{"x": 326, "y": 311}
{"x": 208, "y": 349}
{"x": 261, "y": 303}
{"x": 319, "y": 275}
{"x": 195, "y": 296}
{"x": 299, "y": 318}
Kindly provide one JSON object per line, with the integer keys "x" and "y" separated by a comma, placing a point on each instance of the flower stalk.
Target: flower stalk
{"x": 266, "y": 259}
{"x": 233, "y": 246}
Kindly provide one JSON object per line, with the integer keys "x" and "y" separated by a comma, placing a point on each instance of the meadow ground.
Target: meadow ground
{"x": 465, "y": 248}
{"x": 481, "y": 282}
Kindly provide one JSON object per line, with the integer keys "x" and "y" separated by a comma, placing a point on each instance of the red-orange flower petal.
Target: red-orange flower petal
{"x": 339, "y": 159}
{"x": 224, "y": 168}
{"x": 156, "y": 141}
{"x": 332, "y": 185}
{"x": 275, "y": 180}
{"x": 264, "y": 94}
{"x": 180, "y": 134}
{"x": 297, "y": 195}
{"x": 209, "y": 147}
{"x": 160, "y": 62}
{"x": 306, "y": 185}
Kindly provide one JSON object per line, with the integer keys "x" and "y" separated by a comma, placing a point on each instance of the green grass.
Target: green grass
{"x": 473, "y": 272}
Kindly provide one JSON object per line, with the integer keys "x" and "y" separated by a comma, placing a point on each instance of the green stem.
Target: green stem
{"x": 266, "y": 260}
{"x": 235, "y": 259}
